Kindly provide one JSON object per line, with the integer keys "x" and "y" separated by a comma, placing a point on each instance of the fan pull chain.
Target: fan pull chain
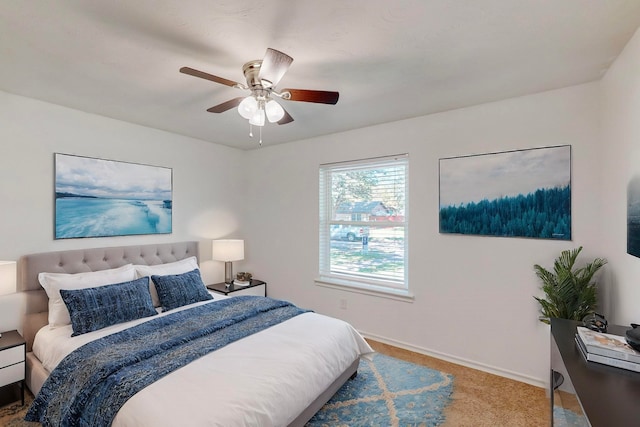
{"x": 251, "y": 133}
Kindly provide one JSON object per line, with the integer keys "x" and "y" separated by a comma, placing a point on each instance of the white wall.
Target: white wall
{"x": 473, "y": 295}
{"x": 621, "y": 158}
{"x": 207, "y": 187}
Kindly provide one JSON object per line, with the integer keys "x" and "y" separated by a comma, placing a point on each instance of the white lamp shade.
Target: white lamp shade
{"x": 7, "y": 277}
{"x": 248, "y": 107}
{"x": 227, "y": 250}
{"x": 274, "y": 111}
{"x": 258, "y": 118}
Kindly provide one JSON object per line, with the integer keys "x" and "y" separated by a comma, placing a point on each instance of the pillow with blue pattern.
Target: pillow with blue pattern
{"x": 176, "y": 290}
{"x": 91, "y": 309}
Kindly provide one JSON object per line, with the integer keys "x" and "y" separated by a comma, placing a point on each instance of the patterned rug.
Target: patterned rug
{"x": 388, "y": 392}
{"x": 565, "y": 418}
{"x": 13, "y": 415}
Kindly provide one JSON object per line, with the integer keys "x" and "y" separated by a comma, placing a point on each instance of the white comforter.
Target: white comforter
{"x": 265, "y": 379}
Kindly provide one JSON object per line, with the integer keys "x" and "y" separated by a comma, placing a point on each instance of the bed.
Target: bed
{"x": 279, "y": 376}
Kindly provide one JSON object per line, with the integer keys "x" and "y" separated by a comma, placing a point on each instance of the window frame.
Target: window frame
{"x": 362, "y": 283}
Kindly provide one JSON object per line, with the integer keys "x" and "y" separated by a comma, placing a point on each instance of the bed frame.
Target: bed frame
{"x": 96, "y": 259}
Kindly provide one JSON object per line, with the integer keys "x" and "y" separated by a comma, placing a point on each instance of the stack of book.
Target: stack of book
{"x": 607, "y": 349}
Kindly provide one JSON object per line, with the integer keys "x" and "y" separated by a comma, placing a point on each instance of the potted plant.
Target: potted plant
{"x": 569, "y": 292}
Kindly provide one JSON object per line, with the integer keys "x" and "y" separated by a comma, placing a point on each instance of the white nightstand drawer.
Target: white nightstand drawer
{"x": 11, "y": 356}
{"x": 12, "y": 374}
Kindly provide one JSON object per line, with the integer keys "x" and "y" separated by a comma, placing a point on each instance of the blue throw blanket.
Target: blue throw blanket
{"x": 91, "y": 384}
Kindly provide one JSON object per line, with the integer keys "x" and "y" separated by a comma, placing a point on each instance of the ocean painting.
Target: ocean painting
{"x": 633, "y": 216}
{"x": 523, "y": 193}
{"x": 102, "y": 198}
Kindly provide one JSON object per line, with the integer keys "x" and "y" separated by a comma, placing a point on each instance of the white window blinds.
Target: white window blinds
{"x": 363, "y": 222}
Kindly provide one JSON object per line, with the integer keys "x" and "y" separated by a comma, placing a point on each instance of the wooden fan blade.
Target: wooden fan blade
{"x": 274, "y": 65}
{"x": 317, "y": 96}
{"x": 221, "y": 108}
{"x": 207, "y": 76}
{"x": 285, "y": 119}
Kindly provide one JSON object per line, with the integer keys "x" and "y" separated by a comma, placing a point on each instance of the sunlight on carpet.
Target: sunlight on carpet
{"x": 388, "y": 392}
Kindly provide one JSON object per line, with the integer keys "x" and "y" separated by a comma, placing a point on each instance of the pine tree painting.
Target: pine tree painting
{"x": 524, "y": 193}
{"x": 633, "y": 216}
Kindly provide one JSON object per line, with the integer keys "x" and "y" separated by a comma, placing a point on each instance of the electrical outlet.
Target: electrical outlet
{"x": 343, "y": 304}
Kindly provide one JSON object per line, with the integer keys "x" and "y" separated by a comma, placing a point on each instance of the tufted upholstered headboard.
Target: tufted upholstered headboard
{"x": 82, "y": 260}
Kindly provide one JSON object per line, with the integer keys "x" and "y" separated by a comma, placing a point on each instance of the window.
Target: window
{"x": 363, "y": 224}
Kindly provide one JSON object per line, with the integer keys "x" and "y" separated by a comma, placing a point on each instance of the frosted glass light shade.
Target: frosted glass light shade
{"x": 274, "y": 111}
{"x": 227, "y": 250}
{"x": 258, "y": 118}
{"x": 248, "y": 107}
{"x": 7, "y": 277}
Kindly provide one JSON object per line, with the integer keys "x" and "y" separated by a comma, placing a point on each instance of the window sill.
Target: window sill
{"x": 366, "y": 289}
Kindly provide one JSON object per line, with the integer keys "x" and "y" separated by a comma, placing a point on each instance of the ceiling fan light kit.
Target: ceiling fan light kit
{"x": 258, "y": 118}
{"x": 255, "y": 110}
{"x": 262, "y": 76}
{"x": 274, "y": 111}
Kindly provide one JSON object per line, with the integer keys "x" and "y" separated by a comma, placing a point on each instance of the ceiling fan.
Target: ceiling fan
{"x": 262, "y": 76}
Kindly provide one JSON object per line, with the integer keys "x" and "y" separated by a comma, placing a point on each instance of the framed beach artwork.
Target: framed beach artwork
{"x": 102, "y": 198}
{"x": 522, "y": 193}
{"x": 633, "y": 216}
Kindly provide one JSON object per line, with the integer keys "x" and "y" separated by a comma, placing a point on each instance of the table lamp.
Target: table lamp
{"x": 7, "y": 278}
{"x": 227, "y": 250}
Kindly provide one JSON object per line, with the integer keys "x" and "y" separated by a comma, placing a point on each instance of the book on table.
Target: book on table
{"x": 604, "y": 360}
{"x": 608, "y": 345}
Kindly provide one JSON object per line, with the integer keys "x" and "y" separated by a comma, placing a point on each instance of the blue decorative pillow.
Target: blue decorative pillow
{"x": 177, "y": 290}
{"x": 91, "y": 309}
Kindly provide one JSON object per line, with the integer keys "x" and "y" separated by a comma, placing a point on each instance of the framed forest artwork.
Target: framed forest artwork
{"x": 100, "y": 198}
{"x": 521, "y": 193}
{"x": 633, "y": 216}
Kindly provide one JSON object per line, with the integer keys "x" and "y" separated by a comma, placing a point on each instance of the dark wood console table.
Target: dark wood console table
{"x": 608, "y": 396}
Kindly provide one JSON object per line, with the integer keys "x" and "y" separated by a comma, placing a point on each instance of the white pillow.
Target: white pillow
{"x": 53, "y": 282}
{"x": 178, "y": 267}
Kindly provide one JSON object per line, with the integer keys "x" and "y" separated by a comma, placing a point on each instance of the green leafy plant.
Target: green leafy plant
{"x": 569, "y": 292}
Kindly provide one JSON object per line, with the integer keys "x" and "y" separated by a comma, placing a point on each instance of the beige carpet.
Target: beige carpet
{"x": 479, "y": 399}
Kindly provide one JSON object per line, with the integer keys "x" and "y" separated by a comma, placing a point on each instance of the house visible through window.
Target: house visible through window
{"x": 363, "y": 223}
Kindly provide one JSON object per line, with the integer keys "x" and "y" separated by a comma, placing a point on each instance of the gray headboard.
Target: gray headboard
{"x": 82, "y": 260}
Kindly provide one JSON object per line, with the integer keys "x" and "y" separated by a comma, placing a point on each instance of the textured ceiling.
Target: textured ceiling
{"x": 389, "y": 60}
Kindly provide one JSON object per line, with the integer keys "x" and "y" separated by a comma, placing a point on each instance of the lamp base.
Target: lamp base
{"x": 228, "y": 272}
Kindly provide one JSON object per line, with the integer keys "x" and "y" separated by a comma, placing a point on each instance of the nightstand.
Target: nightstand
{"x": 256, "y": 287}
{"x": 12, "y": 360}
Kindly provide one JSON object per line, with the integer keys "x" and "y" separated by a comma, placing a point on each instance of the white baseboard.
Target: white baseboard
{"x": 460, "y": 361}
